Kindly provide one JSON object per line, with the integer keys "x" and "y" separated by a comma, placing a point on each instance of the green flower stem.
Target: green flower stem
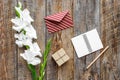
{"x": 45, "y": 55}
{"x": 33, "y": 71}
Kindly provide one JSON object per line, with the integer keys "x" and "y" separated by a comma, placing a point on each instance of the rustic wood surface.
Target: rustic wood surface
{"x": 104, "y": 15}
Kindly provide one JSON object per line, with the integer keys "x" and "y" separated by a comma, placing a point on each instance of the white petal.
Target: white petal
{"x": 26, "y": 11}
{"x": 30, "y": 57}
{"x": 23, "y": 40}
{"x": 37, "y": 54}
{"x": 19, "y": 24}
{"x": 23, "y": 56}
{"x": 31, "y": 32}
{"x": 19, "y": 43}
{"x": 17, "y": 28}
{"x": 16, "y": 35}
{"x": 20, "y": 5}
{"x": 33, "y": 53}
{"x": 35, "y": 61}
{"x": 26, "y": 56}
{"x": 40, "y": 54}
{"x": 20, "y": 36}
{"x": 26, "y": 16}
{"x": 16, "y": 21}
{"x": 36, "y": 47}
{"x": 27, "y": 42}
{"x": 34, "y": 35}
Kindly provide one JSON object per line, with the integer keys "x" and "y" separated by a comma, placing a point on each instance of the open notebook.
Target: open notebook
{"x": 87, "y": 43}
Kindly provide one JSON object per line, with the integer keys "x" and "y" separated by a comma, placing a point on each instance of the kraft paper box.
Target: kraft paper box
{"x": 60, "y": 57}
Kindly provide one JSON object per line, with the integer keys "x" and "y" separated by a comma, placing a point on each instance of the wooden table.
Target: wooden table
{"x": 87, "y": 14}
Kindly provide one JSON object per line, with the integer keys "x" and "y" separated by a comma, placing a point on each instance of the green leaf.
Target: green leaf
{"x": 17, "y": 12}
{"x": 47, "y": 49}
{"x": 20, "y": 5}
{"x": 24, "y": 32}
{"x": 45, "y": 55}
{"x": 27, "y": 47}
{"x": 18, "y": 9}
{"x": 33, "y": 71}
{"x": 42, "y": 76}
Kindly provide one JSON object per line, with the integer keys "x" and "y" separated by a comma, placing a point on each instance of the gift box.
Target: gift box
{"x": 60, "y": 57}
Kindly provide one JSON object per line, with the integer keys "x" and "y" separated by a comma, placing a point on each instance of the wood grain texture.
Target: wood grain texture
{"x": 87, "y": 14}
{"x": 7, "y": 46}
{"x": 110, "y": 30}
{"x": 79, "y": 27}
{"x": 86, "y": 17}
{"x": 52, "y": 68}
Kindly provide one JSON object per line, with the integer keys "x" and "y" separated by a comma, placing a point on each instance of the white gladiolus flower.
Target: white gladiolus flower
{"x": 35, "y": 61}
{"x": 17, "y": 21}
{"x": 19, "y": 24}
{"x": 23, "y": 40}
{"x": 30, "y": 32}
{"x": 17, "y": 28}
{"x": 35, "y": 48}
{"x": 24, "y": 20}
{"x": 26, "y": 33}
{"x": 21, "y": 36}
{"x": 31, "y": 57}
{"x": 30, "y": 54}
{"x": 19, "y": 43}
{"x": 22, "y": 43}
{"x": 25, "y": 15}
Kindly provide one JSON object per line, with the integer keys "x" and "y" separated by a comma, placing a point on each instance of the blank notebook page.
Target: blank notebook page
{"x": 87, "y": 43}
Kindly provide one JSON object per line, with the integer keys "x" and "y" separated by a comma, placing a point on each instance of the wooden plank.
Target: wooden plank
{"x": 60, "y": 39}
{"x": 86, "y": 17}
{"x": 67, "y": 70}
{"x": 8, "y": 52}
{"x": 109, "y": 31}
{"x": 79, "y": 27}
{"x": 92, "y": 21}
{"x": 39, "y": 14}
{"x": 52, "y": 68}
{"x": 37, "y": 11}
{"x": 118, "y": 44}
